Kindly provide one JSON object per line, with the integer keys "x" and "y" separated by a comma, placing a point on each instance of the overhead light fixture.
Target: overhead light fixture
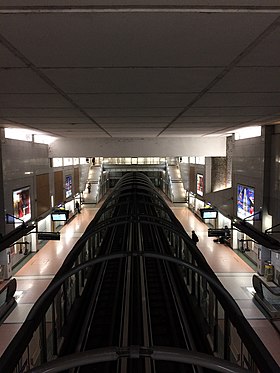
{"x": 247, "y": 132}
{"x": 27, "y": 135}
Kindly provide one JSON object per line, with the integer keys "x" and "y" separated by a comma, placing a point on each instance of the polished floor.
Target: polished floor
{"x": 236, "y": 276}
{"x": 234, "y": 273}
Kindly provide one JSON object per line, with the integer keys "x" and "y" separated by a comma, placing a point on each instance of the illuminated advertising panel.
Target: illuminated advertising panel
{"x": 22, "y": 204}
{"x": 199, "y": 184}
{"x": 68, "y": 186}
{"x": 208, "y": 213}
{"x": 245, "y": 201}
{"x": 60, "y": 215}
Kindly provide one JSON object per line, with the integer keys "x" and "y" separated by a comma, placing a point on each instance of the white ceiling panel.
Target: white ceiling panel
{"x": 250, "y": 79}
{"x": 139, "y": 120}
{"x": 132, "y": 80}
{"x": 134, "y": 133}
{"x": 189, "y": 125}
{"x": 70, "y": 126}
{"x": 32, "y": 100}
{"x": 8, "y": 59}
{"x": 214, "y": 119}
{"x": 78, "y": 134}
{"x": 239, "y": 99}
{"x": 172, "y": 133}
{"x": 228, "y": 111}
{"x": 265, "y": 54}
{"x": 143, "y": 112}
{"x": 192, "y": 129}
{"x": 41, "y": 113}
{"x": 43, "y": 120}
{"x": 22, "y": 81}
{"x": 132, "y": 100}
{"x": 134, "y": 38}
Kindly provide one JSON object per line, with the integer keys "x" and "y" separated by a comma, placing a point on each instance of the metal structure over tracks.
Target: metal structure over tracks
{"x": 136, "y": 295}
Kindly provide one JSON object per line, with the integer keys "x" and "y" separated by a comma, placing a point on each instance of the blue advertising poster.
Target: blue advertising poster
{"x": 245, "y": 201}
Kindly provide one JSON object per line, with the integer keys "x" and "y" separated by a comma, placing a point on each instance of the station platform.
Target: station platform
{"x": 234, "y": 273}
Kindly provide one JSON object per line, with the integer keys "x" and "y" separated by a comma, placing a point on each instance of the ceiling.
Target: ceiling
{"x": 131, "y": 69}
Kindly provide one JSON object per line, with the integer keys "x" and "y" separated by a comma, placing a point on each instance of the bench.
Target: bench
{"x": 222, "y": 236}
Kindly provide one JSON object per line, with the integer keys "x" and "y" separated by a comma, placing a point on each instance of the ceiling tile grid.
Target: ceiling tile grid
{"x": 130, "y": 73}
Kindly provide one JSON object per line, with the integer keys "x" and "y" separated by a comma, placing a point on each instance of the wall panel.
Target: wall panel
{"x": 43, "y": 193}
{"x": 76, "y": 180}
{"x": 58, "y": 187}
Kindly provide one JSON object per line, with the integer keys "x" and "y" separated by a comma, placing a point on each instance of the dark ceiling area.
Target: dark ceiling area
{"x": 131, "y": 69}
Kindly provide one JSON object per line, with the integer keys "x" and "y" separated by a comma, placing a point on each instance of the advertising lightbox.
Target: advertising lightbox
{"x": 199, "y": 184}
{"x": 22, "y": 204}
{"x": 245, "y": 201}
{"x": 209, "y": 213}
{"x": 68, "y": 186}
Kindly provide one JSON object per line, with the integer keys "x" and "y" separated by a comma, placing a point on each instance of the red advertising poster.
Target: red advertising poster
{"x": 199, "y": 184}
{"x": 21, "y": 203}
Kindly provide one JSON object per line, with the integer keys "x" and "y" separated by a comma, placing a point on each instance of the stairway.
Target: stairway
{"x": 93, "y": 178}
{"x": 178, "y": 190}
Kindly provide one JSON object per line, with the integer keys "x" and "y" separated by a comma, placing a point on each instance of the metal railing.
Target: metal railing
{"x": 228, "y": 332}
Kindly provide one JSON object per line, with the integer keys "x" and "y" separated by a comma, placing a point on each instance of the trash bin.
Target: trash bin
{"x": 268, "y": 271}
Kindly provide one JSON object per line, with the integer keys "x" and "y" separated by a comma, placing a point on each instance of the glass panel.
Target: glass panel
{"x": 57, "y": 162}
{"x": 44, "y": 139}
{"x": 59, "y": 313}
{"x": 208, "y": 304}
{"x": 23, "y": 364}
{"x": 70, "y": 284}
{"x": 49, "y": 327}
{"x": 35, "y": 349}
{"x": 18, "y": 134}
{"x": 248, "y": 132}
{"x": 219, "y": 336}
{"x": 246, "y": 360}
{"x": 200, "y": 160}
{"x": 235, "y": 345}
{"x": 67, "y": 161}
{"x": 83, "y": 161}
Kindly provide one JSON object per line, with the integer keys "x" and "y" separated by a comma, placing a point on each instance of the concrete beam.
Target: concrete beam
{"x": 139, "y": 147}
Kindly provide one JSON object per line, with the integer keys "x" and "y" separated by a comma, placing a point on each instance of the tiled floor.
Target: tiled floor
{"x": 233, "y": 272}
{"x": 50, "y": 258}
{"x": 29, "y": 288}
{"x": 219, "y": 257}
{"x": 7, "y": 333}
{"x": 268, "y": 335}
{"x": 34, "y": 277}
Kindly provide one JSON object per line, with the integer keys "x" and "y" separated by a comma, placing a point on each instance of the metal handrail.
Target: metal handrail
{"x": 237, "y": 317}
{"x": 156, "y": 353}
{"x": 247, "y": 334}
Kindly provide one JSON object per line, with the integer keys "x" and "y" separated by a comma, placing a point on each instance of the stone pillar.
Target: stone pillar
{"x": 268, "y": 160}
